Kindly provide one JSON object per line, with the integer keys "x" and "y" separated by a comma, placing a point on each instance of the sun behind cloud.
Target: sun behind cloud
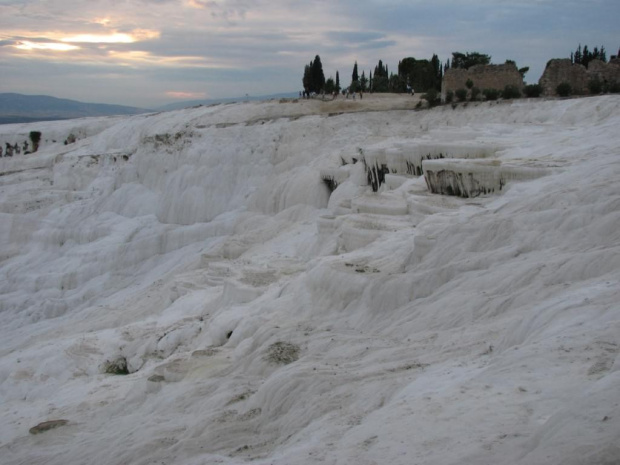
{"x": 114, "y": 38}
{"x": 53, "y": 46}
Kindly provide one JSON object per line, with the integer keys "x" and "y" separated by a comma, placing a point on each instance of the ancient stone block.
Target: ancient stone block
{"x": 483, "y": 77}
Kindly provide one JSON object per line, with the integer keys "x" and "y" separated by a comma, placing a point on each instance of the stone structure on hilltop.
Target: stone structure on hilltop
{"x": 561, "y": 70}
{"x": 483, "y": 76}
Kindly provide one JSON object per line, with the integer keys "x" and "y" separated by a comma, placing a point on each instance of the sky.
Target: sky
{"x": 147, "y": 53}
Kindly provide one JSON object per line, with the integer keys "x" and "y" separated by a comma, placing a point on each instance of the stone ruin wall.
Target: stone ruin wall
{"x": 561, "y": 70}
{"x": 483, "y": 77}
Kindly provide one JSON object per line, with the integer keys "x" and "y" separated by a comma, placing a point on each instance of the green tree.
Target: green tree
{"x": 337, "y": 82}
{"x": 432, "y": 97}
{"x": 380, "y": 80}
{"x": 35, "y": 138}
{"x": 420, "y": 74}
{"x": 307, "y": 79}
{"x": 511, "y": 92}
{"x": 533, "y": 90}
{"x": 564, "y": 89}
{"x": 461, "y": 94}
{"x": 437, "y": 70}
{"x": 330, "y": 85}
{"x": 380, "y": 84}
{"x": 397, "y": 84}
{"x": 586, "y": 56}
{"x": 314, "y": 79}
{"x": 354, "y": 79}
{"x": 595, "y": 86}
{"x": 381, "y": 70}
{"x": 490, "y": 94}
{"x": 585, "y": 59}
{"x": 363, "y": 82}
{"x": 469, "y": 59}
{"x": 317, "y": 75}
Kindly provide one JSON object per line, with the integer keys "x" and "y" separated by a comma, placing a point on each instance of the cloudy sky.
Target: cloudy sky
{"x": 151, "y": 52}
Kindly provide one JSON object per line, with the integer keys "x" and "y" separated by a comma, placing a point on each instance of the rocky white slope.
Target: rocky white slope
{"x": 263, "y": 318}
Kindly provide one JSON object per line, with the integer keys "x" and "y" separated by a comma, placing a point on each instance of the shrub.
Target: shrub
{"x": 432, "y": 97}
{"x": 511, "y": 92}
{"x": 475, "y": 93}
{"x": 35, "y": 138}
{"x": 449, "y": 96}
{"x": 490, "y": 94}
{"x": 469, "y": 84}
{"x": 282, "y": 353}
{"x": 117, "y": 366}
{"x": 614, "y": 88}
{"x": 461, "y": 94}
{"x": 564, "y": 89}
{"x": 595, "y": 86}
{"x": 533, "y": 90}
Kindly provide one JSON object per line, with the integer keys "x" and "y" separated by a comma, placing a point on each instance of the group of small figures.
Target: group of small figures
{"x": 11, "y": 150}
{"x": 345, "y": 92}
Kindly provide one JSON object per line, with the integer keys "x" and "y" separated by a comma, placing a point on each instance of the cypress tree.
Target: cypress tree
{"x": 318, "y": 78}
{"x": 438, "y": 74}
{"x": 337, "y": 82}
{"x": 578, "y": 55}
{"x": 586, "y": 57}
{"x": 363, "y": 82}
{"x": 307, "y": 79}
{"x": 354, "y": 79}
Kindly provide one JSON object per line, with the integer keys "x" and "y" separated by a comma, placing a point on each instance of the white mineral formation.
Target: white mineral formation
{"x": 261, "y": 317}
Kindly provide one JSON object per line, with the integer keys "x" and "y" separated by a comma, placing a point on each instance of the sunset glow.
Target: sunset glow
{"x": 100, "y": 39}
{"x": 28, "y": 45}
{"x": 186, "y": 95}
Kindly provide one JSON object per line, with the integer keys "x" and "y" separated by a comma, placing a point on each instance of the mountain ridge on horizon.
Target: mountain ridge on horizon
{"x": 25, "y": 108}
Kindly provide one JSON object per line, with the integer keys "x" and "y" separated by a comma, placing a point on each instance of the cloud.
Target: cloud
{"x": 228, "y": 10}
{"x": 179, "y": 95}
{"x": 51, "y": 46}
{"x": 348, "y": 37}
{"x": 262, "y": 46}
{"x": 113, "y": 37}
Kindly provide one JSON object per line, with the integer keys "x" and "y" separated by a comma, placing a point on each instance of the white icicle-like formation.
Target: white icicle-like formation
{"x": 471, "y": 178}
{"x": 407, "y": 158}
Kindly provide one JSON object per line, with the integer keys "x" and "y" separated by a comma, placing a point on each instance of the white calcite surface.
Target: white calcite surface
{"x": 262, "y": 318}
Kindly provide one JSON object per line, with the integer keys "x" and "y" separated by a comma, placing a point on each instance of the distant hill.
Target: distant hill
{"x": 194, "y": 103}
{"x": 19, "y": 108}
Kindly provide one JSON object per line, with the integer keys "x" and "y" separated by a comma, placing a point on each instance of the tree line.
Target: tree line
{"x": 585, "y": 56}
{"x": 424, "y": 75}
{"x": 412, "y": 73}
